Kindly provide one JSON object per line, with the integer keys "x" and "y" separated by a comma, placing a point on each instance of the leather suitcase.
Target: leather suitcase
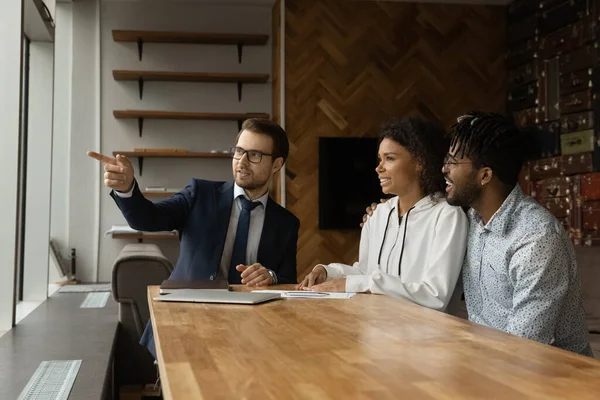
{"x": 546, "y": 5}
{"x": 578, "y": 142}
{"x": 575, "y": 220}
{"x": 555, "y": 187}
{"x": 562, "y": 15}
{"x": 560, "y": 207}
{"x": 590, "y": 239}
{"x": 549, "y": 90}
{"x": 577, "y": 102}
{"x": 523, "y": 29}
{"x": 568, "y": 38}
{"x": 528, "y": 117}
{"x": 590, "y": 215}
{"x": 577, "y": 122}
{"x": 590, "y": 187}
{"x": 522, "y": 52}
{"x": 579, "y": 59}
{"x": 580, "y": 163}
{"x": 523, "y": 74}
{"x": 545, "y": 168}
{"x": 520, "y": 9}
{"x": 568, "y": 165}
{"x": 523, "y": 97}
{"x": 547, "y": 140}
{"x": 576, "y": 81}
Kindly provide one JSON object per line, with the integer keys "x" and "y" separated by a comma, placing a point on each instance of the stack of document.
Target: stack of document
{"x": 306, "y": 294}
{"x": 127, "y": 229}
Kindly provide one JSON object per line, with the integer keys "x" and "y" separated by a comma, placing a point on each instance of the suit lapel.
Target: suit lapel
{"x": 223, "y": 204}
{"x": 268, "y": 234}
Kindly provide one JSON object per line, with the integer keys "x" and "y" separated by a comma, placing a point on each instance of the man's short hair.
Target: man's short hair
{"x": 281, "y": 146}
{"x": 491, "y": 140}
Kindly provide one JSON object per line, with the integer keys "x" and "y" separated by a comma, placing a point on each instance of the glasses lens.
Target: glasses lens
{"x": 254, "y": 156}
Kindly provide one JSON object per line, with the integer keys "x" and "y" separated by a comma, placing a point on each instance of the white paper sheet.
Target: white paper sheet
{"x": 120, "y": 229}
{"x": 305, "y": 294}
{"x": 128, "y": 229}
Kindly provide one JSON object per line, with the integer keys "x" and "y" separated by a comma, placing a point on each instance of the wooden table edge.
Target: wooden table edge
{"x": 164, "y": 382}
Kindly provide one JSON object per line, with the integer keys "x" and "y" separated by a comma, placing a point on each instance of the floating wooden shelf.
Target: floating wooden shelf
{"x": 157, "y": 194}
{"x": 167, "y": 76}
{"x": 141, "y": 37}
{"x": 167, "y": 154}
{"x": 141, "y": 236}
{"x": 141, "y": 115}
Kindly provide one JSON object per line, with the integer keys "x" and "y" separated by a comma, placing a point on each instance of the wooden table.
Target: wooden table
{"x": 370, "y": 346}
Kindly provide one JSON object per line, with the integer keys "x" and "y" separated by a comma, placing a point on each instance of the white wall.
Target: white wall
{"x": 10, "y": 80}
{"x": 39, "y": 167}
{"x": 86, "y": 175}
{"x": 61, "y": 138}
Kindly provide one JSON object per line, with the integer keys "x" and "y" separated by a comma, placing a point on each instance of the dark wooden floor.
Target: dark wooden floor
{"x": 59, "y": 330}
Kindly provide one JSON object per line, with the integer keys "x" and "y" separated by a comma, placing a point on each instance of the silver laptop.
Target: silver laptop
{"x": 218, "y": 296}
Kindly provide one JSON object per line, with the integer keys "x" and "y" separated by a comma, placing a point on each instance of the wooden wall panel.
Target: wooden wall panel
{"x": 350, "y": 65}
{"x": 276, "y": 85}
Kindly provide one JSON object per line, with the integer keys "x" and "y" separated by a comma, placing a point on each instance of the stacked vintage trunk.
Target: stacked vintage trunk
{"x": 554, "y": 78}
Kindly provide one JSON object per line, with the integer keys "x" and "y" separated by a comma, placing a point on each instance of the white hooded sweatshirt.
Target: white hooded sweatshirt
{"x": 417, "y": 258}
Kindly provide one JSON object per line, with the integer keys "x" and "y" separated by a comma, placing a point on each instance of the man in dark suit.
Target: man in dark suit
{"x": 228, "y": 230}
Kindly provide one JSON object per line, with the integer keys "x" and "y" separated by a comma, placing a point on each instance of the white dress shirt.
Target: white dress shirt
{"x": 257, "y": 220}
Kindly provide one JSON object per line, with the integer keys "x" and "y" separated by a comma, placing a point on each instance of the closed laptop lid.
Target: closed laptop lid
{"x": 218, "y": 296}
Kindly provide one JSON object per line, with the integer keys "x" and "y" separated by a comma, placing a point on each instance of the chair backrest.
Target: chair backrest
{"x": 137, "y": 267}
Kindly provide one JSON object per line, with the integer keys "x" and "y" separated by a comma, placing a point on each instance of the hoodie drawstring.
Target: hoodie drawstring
{"x": 403, "y": 238}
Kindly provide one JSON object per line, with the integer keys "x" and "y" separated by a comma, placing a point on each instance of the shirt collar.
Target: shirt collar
{"x": 501, "y": 218}
{"x": 238, "y": 191}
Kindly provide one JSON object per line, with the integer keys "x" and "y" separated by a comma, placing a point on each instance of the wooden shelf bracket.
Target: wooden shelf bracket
{"x": 140, "y": 44}
{"x": 141, "y": 86}
{"x": 140, "y": 125}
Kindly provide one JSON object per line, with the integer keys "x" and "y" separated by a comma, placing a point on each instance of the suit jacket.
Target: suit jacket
{"x": 200, "y": 213}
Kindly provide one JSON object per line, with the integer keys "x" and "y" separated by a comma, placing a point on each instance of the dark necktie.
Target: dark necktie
{"x": 238, "y": 255}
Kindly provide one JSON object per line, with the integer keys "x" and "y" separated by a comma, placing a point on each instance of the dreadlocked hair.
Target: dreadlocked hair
{"x": 490, "y": 140}
{"x": 427, "y": 143}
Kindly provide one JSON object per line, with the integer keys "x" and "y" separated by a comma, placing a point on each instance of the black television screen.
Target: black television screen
{"x": 348, "y": 182}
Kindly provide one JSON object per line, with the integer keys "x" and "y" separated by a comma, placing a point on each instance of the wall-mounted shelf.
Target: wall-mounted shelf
{"x": 141, "y": 37}
{"x": 167, "y": 76}
{"x": 167, "y": 154}
{"x": 141, "y": 236}
{"x": 157, "y": 194}
{"x": 141, "y": 115}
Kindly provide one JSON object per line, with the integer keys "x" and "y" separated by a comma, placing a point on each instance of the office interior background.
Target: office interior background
{"x": 97, "y": 75}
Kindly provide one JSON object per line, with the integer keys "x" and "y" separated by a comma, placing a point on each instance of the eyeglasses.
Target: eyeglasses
{"x": 450, "y": 160}
{"x": 254, "y": 156}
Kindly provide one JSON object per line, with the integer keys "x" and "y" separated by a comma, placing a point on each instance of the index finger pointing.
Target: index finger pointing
{"x": 102, "y": 158}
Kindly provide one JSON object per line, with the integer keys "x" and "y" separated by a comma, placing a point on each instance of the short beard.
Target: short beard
{"x": 251, "y": 185}
{"x": 466, "y": 196}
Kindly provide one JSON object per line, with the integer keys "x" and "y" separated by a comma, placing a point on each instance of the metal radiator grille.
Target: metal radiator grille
{"x": 52, "y": 380}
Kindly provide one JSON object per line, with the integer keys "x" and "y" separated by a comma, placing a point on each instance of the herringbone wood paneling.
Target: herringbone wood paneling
{"x": 276, "y": 85}
{"x": 350, "y": 65}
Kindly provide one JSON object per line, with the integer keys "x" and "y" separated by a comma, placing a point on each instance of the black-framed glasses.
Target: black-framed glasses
{"x": 254, "y": 156}
{"x": 450, "y": 160}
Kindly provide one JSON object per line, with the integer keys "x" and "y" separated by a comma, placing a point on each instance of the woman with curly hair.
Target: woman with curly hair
{"x": 414, "y": 244}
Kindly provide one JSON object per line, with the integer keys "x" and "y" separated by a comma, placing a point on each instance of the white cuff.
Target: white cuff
{"x": 126, "y": 195}
{"x": 357, "y": 283}
{"x": 332, "y": 272}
